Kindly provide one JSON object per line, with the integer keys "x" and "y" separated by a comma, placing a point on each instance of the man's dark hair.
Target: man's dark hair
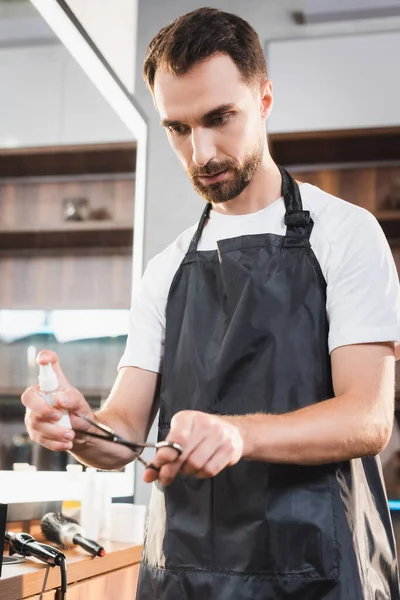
{"x": 199, "y": 34}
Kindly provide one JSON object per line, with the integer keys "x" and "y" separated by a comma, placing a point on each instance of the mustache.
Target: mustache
{"x": 211, "y": 168}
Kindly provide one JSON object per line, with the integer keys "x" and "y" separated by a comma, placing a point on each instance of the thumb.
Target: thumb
{"x": 48, "y": 356}
{"x": 74, "y": 402}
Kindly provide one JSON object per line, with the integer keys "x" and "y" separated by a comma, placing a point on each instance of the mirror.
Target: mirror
{"x": 72, "y": 169}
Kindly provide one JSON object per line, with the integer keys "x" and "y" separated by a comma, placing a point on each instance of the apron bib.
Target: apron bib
{"x": 247, "y": 332}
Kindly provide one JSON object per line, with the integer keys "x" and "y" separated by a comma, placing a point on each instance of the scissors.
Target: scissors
{"x": 137, "y": 447}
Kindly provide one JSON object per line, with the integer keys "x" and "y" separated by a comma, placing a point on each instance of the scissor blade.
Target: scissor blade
{"x": 108, "y": 438}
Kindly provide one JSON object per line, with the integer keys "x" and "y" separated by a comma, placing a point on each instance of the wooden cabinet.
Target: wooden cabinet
{"x": 47, "y": 596}
{"x": 112, "y": 577}
{"x": 50, "y": 262}
{"x": 119, "y": 584}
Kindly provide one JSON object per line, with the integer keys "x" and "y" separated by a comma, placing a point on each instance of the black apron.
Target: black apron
{"x": 247, "y": 332}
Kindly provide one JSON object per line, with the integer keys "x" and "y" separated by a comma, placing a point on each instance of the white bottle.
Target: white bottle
{"x": 48, "y": 384}
{"x": 91, "y": 504}
{"x": 105, "y": 510}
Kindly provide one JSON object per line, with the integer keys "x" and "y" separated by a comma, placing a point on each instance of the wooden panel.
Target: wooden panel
{"x": 366, "y": 187}
{"x": 340, "y": 147}
{"x": 387, "y": 184}
{"x": 119, "y": 584}
{"x": 40, "y": 206}
{"x": 46, "y": 596}
{"x": 66, "y": 282}
{"x": 85, "y": 278}
{"x": 72, "y": 160}
{"x": 85, "y": 235}
{"x": 31, "y": 577}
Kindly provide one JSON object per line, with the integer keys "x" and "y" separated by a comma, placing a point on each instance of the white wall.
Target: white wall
{"x": 339, "y": 82}
{"x": 112, "y": 26}
{"x": 48, "y": 100}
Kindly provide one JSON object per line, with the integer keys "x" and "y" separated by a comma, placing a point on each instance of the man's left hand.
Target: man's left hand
{"x": 210, "y": 443}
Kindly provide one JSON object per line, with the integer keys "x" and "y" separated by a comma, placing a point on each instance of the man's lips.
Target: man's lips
{"x": 214, "y": 178}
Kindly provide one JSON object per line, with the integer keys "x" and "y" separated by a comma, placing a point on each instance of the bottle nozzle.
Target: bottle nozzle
{"x": 48, "y": 381}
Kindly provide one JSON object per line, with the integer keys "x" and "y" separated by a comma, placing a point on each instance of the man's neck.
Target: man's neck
{"x": 264, "y": 189}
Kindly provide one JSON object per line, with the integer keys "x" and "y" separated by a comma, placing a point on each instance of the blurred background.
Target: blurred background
{"x": 68, "y": 171}
{"x": 90, "y": 189}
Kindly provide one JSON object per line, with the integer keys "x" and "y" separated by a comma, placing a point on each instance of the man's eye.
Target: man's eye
{"x": 220, "y": 120}
{"x": 177, "y": 129}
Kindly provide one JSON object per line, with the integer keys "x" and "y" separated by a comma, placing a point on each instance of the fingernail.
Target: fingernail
{"x": 55, "y": 416}
{"x": 68, "y": 435}
{"x": 68, "y": 446}
{"x": 62, "y": 398}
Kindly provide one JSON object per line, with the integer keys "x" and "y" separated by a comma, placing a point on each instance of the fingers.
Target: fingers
{"x": 41, "y": 419}
{"x": 48, "y": 356}
{"x": 198, "y": 458}
{"x": 72, "y": 400}
{"x": 167, "y": 459}
{"x": 169, "y": 462}
{"x": 38, "y": 406}
{"x": 48, "y": 434}
{"x": 219, "y": 461}
{"x": 210, "y": 443}
{"x": 164, "y": 456}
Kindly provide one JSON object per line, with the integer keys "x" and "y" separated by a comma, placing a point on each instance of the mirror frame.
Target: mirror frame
{"x": 37, "y": 486}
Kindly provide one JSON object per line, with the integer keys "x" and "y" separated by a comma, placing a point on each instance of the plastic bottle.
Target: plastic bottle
{"x": 72, "y": 506}
{"x": 48, "y": 384}
{"x": 105, "y": 509}
{"x": 91, "y": 504}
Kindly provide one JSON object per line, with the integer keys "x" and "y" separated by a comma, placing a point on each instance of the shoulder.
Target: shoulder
{"x": 338, "y": 225}
{"x": 163, "y": 266}
{"x": 331, "y": 212}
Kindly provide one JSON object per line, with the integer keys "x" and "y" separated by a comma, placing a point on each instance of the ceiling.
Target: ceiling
{"x": 20, "y": 23}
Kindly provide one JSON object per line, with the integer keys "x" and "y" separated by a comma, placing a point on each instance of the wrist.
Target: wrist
{"x": 243, "y": 426}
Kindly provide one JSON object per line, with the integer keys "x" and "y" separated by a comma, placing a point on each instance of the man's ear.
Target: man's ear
{"x": 266, "y": 99}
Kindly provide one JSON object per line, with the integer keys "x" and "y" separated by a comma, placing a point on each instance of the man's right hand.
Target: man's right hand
{"x": 41, "y": 419}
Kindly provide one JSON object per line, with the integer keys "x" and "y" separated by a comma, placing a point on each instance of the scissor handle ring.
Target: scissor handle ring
{"x": 172, "y": 445}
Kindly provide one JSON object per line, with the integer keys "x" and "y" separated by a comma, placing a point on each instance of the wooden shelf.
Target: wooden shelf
{"x": 388, "y": 215}
{"x": 68, "y": 160}
{"x": 84, "y": 234}
{"x": 336, "y": 147}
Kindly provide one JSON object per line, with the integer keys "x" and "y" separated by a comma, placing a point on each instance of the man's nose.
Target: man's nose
{"x": 203, "y": 147}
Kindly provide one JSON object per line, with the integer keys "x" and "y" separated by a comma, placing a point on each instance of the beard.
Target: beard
{"x": 241, "y": 175}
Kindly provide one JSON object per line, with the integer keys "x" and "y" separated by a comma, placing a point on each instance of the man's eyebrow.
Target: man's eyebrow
{"x": 217, "y": 111}
{"x": 212, "y": 113}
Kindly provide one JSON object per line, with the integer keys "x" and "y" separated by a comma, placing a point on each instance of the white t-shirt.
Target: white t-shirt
{"x": 363, "y": 299}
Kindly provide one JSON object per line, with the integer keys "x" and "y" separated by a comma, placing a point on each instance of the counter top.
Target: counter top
{"x": 32, "y": 577}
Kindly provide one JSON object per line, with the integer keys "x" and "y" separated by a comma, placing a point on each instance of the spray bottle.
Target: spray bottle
{"x": 48, "y": 384}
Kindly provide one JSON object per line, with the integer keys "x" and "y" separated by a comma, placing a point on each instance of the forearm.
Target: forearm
{"x": 129, "y": 411}
{"x": 105, "y": 455}
{"x": 331, "y": 431}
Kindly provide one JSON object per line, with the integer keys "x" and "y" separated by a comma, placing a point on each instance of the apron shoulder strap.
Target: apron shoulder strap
{"x": 298, "y": 221}
{"x": 195, "y": 239}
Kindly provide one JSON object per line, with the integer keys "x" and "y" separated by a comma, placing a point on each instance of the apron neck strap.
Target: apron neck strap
{"x": 199, "y": 230}
{"x": 295, "y": 216}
